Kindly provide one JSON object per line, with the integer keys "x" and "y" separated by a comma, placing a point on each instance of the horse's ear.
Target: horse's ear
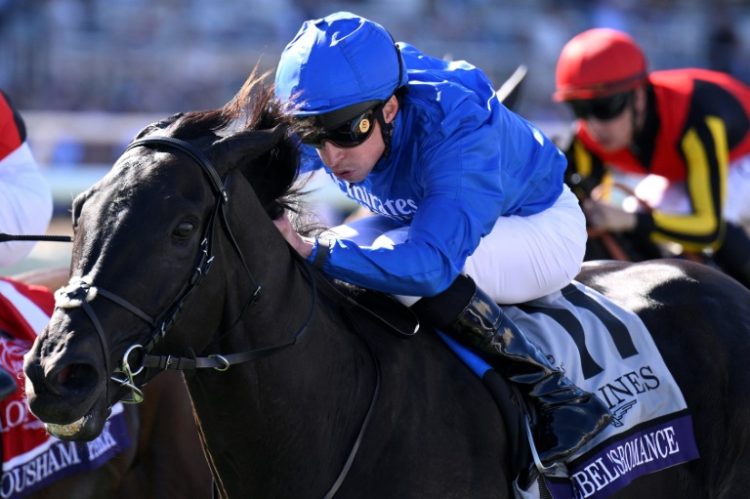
{"x": 236, "y": 150}
{"x": 159, "y": 125}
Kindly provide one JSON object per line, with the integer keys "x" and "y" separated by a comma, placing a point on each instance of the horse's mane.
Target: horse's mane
{"x": 254, "y": 107}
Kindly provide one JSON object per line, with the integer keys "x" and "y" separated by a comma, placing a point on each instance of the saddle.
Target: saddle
{"x": 401, "y": 320}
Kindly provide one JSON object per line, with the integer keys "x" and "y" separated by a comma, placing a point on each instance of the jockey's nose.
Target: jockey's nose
{"x": 331, "y": 154}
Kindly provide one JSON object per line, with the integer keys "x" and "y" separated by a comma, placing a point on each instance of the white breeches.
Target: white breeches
{"x": 521, "y": 259}
{"x": 25, "y": 202}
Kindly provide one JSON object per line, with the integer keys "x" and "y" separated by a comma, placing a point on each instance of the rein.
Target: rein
{"x": 4, "y": 238}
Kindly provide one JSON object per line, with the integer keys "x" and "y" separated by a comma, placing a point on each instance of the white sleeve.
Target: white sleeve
{"x": 25, "y": 202}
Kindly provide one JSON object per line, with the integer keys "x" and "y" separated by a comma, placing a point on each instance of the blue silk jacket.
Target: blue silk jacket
{"x": 459, "y": 160}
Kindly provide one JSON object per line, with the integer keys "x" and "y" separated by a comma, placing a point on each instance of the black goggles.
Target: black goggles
{"x": 350, "y": 133}
{"x": 603, "y": 108}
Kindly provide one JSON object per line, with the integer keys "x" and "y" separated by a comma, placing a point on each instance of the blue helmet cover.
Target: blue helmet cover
{"x": 336, "y": 61}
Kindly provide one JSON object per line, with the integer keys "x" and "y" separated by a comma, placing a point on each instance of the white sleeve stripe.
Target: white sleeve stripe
{"x": 30, "y": 311}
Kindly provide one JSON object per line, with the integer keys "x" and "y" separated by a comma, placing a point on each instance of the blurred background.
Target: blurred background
{"x": 88, "y": 74}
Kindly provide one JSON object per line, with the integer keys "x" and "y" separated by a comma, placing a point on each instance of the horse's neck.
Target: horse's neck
{"x": 284, "y": 426}
{"x": 270, "y": 417}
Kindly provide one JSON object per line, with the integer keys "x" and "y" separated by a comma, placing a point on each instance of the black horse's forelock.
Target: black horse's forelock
{"x": 273, "y": 174}
{"x": 254, "y": 107}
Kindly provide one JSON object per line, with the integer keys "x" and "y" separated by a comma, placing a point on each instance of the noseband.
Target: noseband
{"x": 79, "y": 292}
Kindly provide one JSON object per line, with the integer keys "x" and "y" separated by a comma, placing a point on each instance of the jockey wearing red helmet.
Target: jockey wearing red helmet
{"x": 688, "y": 126}
{"x": 599, "y": 63}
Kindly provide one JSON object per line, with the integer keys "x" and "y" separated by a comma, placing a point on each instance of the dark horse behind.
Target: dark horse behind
{"x": 177, "y": 265}
{"x": 164, "y": 456}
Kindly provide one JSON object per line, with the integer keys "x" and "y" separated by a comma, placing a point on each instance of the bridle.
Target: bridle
{"x": 79, "y": 292}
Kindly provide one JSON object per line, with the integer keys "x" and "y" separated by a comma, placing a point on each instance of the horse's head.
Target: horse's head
{"x": 152, "y": 241}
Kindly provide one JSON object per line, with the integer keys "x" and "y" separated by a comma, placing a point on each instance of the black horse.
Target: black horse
{"x": 177, "y": 265}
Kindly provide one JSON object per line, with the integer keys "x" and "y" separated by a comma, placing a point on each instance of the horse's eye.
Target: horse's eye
{"x": 184, "y": 229}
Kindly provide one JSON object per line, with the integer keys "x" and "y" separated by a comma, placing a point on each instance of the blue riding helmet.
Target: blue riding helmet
{"x": 336, "y": 62}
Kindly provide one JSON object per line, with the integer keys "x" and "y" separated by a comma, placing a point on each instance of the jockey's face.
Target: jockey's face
{"x": 617, "y": 132}
{"x": 612, "y": 134}
{"x": 354, "y": 164}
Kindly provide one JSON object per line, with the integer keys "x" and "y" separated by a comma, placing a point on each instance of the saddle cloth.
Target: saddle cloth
{"x": 33, "y": 459}
{"x": 608, "y": 351}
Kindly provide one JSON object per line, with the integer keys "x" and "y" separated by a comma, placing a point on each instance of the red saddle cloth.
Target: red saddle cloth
{"x": 32, "y": 459}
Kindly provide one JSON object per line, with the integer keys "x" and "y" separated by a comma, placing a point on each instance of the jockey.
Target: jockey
{"x": 25, "y": 196}
{"x": 463, "y": 191}
{"x": 690, "y": 127}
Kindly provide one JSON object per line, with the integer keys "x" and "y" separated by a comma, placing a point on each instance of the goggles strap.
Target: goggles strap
{"x": 386, "y": 130}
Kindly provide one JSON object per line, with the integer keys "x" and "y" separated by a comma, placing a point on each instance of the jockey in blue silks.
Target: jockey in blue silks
{"x": 463, "y": 190}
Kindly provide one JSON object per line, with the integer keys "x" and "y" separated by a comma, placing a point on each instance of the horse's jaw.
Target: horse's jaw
{"x": 86, "y": 427}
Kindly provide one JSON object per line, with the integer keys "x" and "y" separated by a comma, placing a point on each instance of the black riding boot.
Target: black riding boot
{"x": 7, "y": 383}
{"x": 566, "y": 417}
{"x": 734, "y": 255}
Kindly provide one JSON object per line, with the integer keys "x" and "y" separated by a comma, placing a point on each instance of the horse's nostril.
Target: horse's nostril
{"x": 63, "y": 376}
{"x": 75, "y": 377}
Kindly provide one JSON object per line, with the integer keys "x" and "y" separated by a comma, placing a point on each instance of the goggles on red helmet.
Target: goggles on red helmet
{"x": 603, "y": 108}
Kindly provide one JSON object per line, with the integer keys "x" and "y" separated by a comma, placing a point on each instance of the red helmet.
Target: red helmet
{"x": 597, "y": 63}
